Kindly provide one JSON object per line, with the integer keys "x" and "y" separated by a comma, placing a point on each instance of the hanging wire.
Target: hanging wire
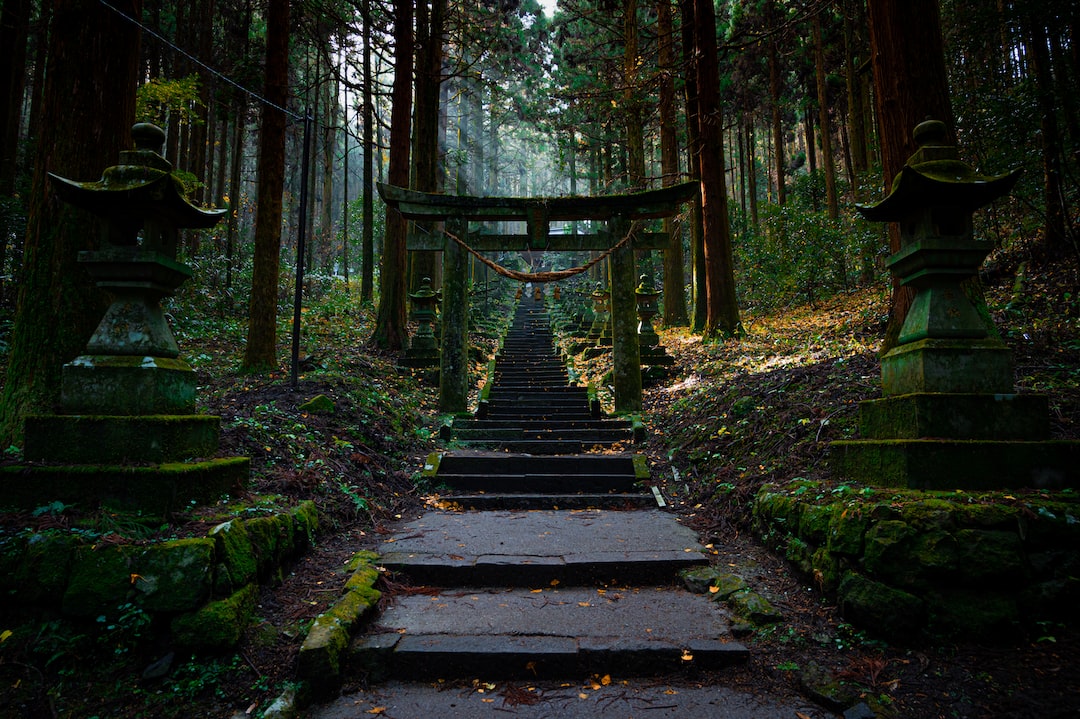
{"x": 162, "y": 39}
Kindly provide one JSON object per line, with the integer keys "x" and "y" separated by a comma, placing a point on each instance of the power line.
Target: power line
{"x": 161, "y": 38}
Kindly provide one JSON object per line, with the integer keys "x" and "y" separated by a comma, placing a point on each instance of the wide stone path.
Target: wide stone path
{"x": 554, "y": 565}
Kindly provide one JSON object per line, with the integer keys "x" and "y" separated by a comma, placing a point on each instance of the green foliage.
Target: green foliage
{"x": 160, "y": 101}
{"x": 797, "y": 254}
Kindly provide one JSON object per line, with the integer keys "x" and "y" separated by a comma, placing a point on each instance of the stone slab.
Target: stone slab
{"x": 542, "y": 700}
{"x": 557, "y": 632}
{"x": 537, "y": 547}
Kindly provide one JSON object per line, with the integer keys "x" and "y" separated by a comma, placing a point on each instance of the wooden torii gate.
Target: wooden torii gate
{"x": 617, "y": 211}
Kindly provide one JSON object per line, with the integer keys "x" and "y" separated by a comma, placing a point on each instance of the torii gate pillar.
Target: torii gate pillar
{"x": 626, "y": 354}
{"x": 454, "y": 359}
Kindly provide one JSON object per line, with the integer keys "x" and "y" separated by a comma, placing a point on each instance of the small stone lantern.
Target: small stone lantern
{"x": 601, "y": 299}
{"x": 646, "y": 295}
{"x": 424, "y": 301}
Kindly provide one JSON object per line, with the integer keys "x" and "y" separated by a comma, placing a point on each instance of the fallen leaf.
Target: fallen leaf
{"x": 714, "y": 589}
{"x": 377, "y": 710}
{"x": 605, "y": 680}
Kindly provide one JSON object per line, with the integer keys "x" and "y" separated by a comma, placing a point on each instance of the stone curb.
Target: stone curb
{"x": 319, "y": 662}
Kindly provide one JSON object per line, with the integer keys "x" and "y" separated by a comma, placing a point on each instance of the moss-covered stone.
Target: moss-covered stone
{"x": 988, "y": 616}
{"x": 800, "y": 554}
{"x": 814, "y": 523}
{"x": 265, "y": 538}
{"x": 751, "y": 605}
{"x": 175, "y": 576}
{"x": 935, "y": 552}
{"x": 929, "y": 515}
{"x": 726, "y": 584}
{"x": 888, "y": 552}
{"x": 846, "y": 531}
{"x": 101, "y": 579}
{"x": 42, "y": 574}
{"x": 825, "y": 569}
{"x": 305, "y": 525}
{"x": 319, "y": 404}
{"x": 988, "y": 555}
{"x": 217, "y": 625}
{"x": 889, "y": 612}
{"x": 232, "y": 545}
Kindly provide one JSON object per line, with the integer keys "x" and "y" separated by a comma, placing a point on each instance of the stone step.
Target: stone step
{"x": 556, "y": 483}
{"x": 584, "y": 464}
{"x": 526, "y": 425}
{"x": 545, "y": 447}
{"x": 542, "y": 548}
{"x": 546, "y": 632}
{"x": 523, "y": 501}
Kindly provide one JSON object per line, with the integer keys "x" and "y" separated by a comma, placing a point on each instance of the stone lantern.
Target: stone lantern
{"x": 127, "y": 411}
{"x": 652, "y": 352}
{"x": 423, "y": 349}
{"x": 945, "y": 345}
{"x": 950, "y": 417}
{"x": 601, "y": 325}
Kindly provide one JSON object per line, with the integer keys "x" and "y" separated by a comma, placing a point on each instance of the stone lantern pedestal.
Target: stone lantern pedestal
{"x": 949, "y": 417}
{"x": 128, "y": 434}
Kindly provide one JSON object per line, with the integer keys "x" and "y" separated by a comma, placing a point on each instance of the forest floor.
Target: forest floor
{"x": 801, "y": 369}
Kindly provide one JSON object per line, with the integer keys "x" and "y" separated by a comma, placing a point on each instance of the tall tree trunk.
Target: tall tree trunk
{"x": 1054, "y": 244}
{"x": 367, "y": 240}
{"x": 856, "y": 112}
{"x": 329, "y": 144}
{"x": 774, "y": 104}
{"x": 751, "y": 150}
{"x": 674, "y": 275}
{"x": 390, "y": 324}
{"x": 14, "y": 32}
{"x": 87, "y": 113}
{"x": 828, "y": 162}
{"x": 426, "y": 167}
{"x": 260, "y": 354}
{"x": 235, "y": 165}
{"x": 910, "y": 85}
{"x": 635, "y": 141}
{"x": 722, "y": 319}
{"x": 693, "y": 135}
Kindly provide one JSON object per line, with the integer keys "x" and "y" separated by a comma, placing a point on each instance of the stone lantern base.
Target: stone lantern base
{"x": 947, "y": 365}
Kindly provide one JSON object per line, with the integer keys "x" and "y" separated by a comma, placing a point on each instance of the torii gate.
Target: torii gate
{"x": 617, "y": 211}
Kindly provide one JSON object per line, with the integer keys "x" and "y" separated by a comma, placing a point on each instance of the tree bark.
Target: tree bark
{"x": 87, "y": 113}
{"x": 260, "y": 354}
{"x": 674, "y": 275}
{"x": 390, "y": 324}
{"x": 831, "y": 204}
{"x": 722, "y": 319}
{"x": 774, "y": 105}
{"x": 693, "y": 141}
{"x": 367, "y": 240}
{"x": 910, "y": 85}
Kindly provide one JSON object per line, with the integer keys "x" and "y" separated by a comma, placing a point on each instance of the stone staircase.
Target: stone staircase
{"x": 549, "y": 561}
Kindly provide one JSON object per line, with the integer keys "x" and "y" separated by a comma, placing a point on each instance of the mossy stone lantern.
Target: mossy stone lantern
{"x": 127, "y": 435}
{"x": 424, "y": 301}
{"x": 646, "y": 295}
{"x": 601, "y": 301}
{"x": 131, "y": 363}
{"x": 949, "y": 417}
{"x": 945, "y": 344}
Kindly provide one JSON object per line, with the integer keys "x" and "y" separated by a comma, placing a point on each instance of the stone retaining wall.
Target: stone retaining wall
{"x": 204, "y": 587}
{"x": 910, "y": 565}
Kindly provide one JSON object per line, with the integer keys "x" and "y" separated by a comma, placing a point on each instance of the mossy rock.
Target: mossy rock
{"x": 847, "y": 530}
{"x": 990, "y": 556}
{"x": 888, "y": 552}
{"x": 218, "y": 625}
{"x": 936, "y": 551}
{"x": 881, "y": 609}
{"x": 101, "y": 579}
{"x": 825, "y": 570}
{"x": 42, "y": 574}
{"x": 698, "y": 579}
{"x": 814, "y": 521}
{"x": 12, "y": 551}
{"x": 800, "y": 554}
{"x": 265, "y": 541}
{"x": 987, "y": 516}
{"x": 319, "y": 404}
{"x": 175, "y": 576}
{"x": 232, "y": 545}
{"x": 929, "y": 514}
{"x": 751, "y": 605}
{"x": 305, "y": 525}
{"x": 980, "y": 615}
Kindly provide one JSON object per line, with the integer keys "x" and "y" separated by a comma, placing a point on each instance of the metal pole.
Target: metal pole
{"x": 301, "y": 237}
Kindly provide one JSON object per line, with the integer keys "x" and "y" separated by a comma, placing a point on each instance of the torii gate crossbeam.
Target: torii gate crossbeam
{"x": 617, "y": 211}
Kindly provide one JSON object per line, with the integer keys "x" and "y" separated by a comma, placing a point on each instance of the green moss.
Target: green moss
{"x": 961, "y": 613}
{"x": 232, "y": 545}
{"x": 846, "y": 531}
{"x": 886, "y": 611}
{"x": 175, "y": 576}
{"x": 929, "y": 514}
{"x": 814, "y": 522}
{"x": 987, "y": 555}
{"x": 305, "y": 525}
{"x": 101, "y": 579}
{"x": 42, "y": 572}
{"x": 319, "y": 404}
{"x": 263, "y": 532}
{"x": 799, "y": 554}
{"x": 825, "y": 570}
{"x": 218, "y": 625}
{"x": 753, "y": 606}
